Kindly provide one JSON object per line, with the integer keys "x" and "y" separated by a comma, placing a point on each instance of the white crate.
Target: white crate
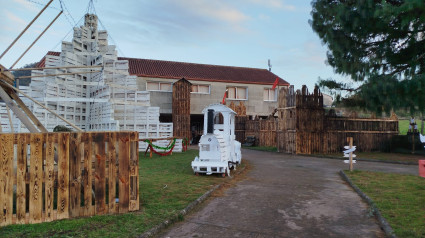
{"x": 107, "y": 100}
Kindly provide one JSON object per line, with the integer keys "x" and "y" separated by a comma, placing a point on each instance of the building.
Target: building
{"x": 251, "y": 86}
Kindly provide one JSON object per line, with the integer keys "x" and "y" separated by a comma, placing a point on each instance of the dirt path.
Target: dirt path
{"x": 287, "y": 196}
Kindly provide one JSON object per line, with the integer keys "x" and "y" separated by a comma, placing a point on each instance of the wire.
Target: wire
{"x": 91, "y": 7}
{"x": 72, "y": 28}
{"x": 113, "y": 41}
{"x": 64, "y": 13}
{"x": 43, "y": 4}
{"x": 65, "y": 9}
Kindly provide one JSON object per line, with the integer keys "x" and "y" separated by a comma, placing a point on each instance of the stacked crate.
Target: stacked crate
{"x": 94, "y": 101}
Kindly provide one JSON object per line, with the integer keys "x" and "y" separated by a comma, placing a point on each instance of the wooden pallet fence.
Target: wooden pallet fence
{"x": 263, "y": 130}
{"x": 240, "y": 122}
{"x": 313, "y": 132}
{"x": 52, "y": 176}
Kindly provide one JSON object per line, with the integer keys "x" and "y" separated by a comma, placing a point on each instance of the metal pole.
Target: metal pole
{"x": 36, "y": 40}
{"x": 26, "y": 28}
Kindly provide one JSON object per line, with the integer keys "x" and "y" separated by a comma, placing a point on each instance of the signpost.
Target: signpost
{"x": 348, "y": 153}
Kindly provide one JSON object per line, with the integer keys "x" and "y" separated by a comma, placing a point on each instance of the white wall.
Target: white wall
{"x": 255, "y": 105}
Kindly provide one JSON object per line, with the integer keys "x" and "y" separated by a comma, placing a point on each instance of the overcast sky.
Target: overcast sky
{"x": 243, "y": 33}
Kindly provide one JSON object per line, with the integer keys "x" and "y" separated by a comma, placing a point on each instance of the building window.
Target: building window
{"x": 270, "y": 95}
{"x": 202, "y": 89}
{"x": 159, "y": 86}
{"x": 237, "y": 93}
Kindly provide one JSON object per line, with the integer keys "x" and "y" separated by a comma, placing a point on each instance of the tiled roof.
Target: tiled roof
{"x": 200, "y": 72}
{"x": 42, "y": 62}
{"x": 191, "y": 71}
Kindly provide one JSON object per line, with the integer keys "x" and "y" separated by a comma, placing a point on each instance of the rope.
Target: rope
{"x": 160, "y": 153}
{"x": 159, "y": 147}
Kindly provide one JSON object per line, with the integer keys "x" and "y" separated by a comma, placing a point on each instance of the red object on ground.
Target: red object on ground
{"x": 422, "y": 168}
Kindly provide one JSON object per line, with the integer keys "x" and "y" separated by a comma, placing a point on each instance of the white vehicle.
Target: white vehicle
{"x": 219, "y": 152}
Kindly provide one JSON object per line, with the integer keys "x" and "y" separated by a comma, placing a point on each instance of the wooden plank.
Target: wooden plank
{"x": 112, "y": 171}
{"x": 134, "y": 176}
{"x": 100, "y": 165}
{"x": 6, "y": 179}
{"x": 74, "y": 174}
{"x": 49, "y": 177}
{"x": 63, "y": 176}
{"x": 21, "y": 169}
{"x": 28, "y": 112}
{"x": 87, "y": 176}
{"x": 36, "y": 175}
{"x": 17, "y": 111}
{"x": 123, "y": 177}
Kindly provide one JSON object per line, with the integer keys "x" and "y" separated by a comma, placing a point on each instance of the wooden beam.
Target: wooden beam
{"x": 10, "y": 120}
{"x": 51, "y": 75}
{"x": 41, "y": 105}
{"x": 42, "y": 33}
{"x": 17, "y": 111}
{"x": 59, "y": 67}
{"x": 26, "y": 28}
{"x": 28, "y": 112}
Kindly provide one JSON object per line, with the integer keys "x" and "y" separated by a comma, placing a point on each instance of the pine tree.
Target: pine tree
{"x": 379, "y": 44}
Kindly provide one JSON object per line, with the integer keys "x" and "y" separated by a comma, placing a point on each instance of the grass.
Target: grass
{"x": 403, "y": 126}
{"x": 167, "y": 185}
{"x": 261, "y": 148}
{"x": 393, "y": 157}
{"x": 400, "y": 199}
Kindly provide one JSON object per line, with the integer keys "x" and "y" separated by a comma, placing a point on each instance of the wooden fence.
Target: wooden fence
{"x": 304, "y": 128}
{"x": 51, "y": 176}
{"x": 263, "y": 130}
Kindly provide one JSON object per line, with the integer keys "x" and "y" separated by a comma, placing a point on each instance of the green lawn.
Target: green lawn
{"x": 261, "y": 148}
{"x": 403, "y": 126}
{"x": 167, "y": 185}
{"x": 400, "y": 199}
{"x": 395, "y": 157}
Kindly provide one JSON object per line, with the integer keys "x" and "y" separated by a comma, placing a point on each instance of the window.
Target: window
{"x": 269, "y": 95}
{"x": 203, "y": 89}
{"x": 159, "y": 86}
{"x": 237, "y": 93}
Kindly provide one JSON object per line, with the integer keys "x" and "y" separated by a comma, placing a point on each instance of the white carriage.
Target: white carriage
{"x": 219, "y": 152}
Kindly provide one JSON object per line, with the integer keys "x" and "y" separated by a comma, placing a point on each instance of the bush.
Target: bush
{"x": 61, "y": 128}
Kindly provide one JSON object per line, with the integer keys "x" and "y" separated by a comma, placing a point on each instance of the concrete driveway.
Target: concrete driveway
{"x": 288, "y": 196}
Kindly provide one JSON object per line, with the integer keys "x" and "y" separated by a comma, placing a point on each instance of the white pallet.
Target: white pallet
{"x": 103, "y": 101}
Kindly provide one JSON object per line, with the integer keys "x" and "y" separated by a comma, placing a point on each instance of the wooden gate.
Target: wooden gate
{"x": 51, "y": 176}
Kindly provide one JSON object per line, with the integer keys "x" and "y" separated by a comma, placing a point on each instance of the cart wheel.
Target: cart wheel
{"x": 223, "y": 175}
{"x": 197, "y": 174}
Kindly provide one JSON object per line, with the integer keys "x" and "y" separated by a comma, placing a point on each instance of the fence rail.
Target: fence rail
{"x": 51, "y": 176}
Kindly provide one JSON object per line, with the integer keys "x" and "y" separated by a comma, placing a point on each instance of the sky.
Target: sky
{"x": 243, "y": 33}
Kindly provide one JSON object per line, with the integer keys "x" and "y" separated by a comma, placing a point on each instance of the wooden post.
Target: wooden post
{"x": 350, "y": 143}
{"x": 150, "y": 152}
{"x": 413, "y": 141}
{"x": 10, "y": 120}
{"x": 28, "y": 112}
{"x": 20, "y": 114}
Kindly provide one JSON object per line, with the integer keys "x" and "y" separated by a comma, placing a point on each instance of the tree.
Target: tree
{"x": 379, "y": 44}
{"x": 27, "y": 81}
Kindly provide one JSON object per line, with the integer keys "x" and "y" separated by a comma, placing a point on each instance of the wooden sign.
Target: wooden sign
{"x": 348, "y": 153}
